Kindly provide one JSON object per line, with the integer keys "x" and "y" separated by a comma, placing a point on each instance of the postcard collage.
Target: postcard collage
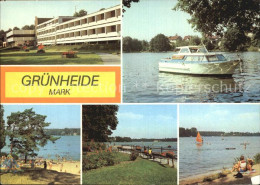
{"x": 130, "y": 92}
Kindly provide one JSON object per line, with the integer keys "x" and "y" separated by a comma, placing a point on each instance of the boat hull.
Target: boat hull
{"x": 209, "y": 68}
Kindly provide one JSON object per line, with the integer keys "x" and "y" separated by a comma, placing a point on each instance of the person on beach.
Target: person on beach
{"x": 249, "y": 165}
{"x": 150, "y": 152}
{"x": 45, "y": 165}
{"x": 241, "y": 165}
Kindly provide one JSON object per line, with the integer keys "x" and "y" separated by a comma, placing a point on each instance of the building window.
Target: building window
{"x": 113, "y": 28}
{"x": 113, "y": 13}
{"x": 102, "y": 17}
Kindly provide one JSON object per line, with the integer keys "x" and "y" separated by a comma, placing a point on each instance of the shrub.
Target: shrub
{"x": 133, "y": 156}
{"x": 41, "y": 51}
{"x": 97, "y": 160}
{"x": 257, "y": 158}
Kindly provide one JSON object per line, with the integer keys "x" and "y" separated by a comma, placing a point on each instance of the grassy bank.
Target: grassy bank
{"x": 140, "y": 171}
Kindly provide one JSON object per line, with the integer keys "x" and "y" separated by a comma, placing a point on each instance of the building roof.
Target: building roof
{"x": 174, "y": 37}
{"x": 187, "y": 37}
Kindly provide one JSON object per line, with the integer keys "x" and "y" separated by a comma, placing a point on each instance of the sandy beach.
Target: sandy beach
{"x": 63, "y": 173}
{"x": 229, "y": 179}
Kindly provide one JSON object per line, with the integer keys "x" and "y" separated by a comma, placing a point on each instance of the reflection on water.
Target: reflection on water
{"x": 144, "y": 83}
{"x": 212, "y": 155}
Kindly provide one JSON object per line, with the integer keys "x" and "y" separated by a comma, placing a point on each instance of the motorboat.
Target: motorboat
{"x": 197, "y": 60}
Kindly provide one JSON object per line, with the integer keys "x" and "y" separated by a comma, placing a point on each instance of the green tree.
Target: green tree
{"x": 223, "y": 14}
{"x": 136, "y": 45}
{"x": 235, "y": 40}
{"x": 16, "y": 28}
{"x": 145, "y": 45}
{"x": 2, "y": 127}
{"x": 209, "y": 45}
{"x": 182, "y": 43}
{"x": 195, "y": 40}
{"x": 81, "y": 13}
{"x": 98, "y": 122}
{"x": 127, "y": 3}
{"x": 28, "y": 27}
{"x": 26, "y": 132}
{"x": 127, "y": 44}
{"x": 160, "y": 43}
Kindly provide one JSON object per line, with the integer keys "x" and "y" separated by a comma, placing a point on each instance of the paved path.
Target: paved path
{"x": 110, "y": 59}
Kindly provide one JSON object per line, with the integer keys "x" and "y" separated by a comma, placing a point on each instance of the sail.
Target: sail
{"x": 199, "y": 138}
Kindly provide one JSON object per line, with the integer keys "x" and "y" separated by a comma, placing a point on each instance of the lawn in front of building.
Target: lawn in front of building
{"x": 48, "y": 58}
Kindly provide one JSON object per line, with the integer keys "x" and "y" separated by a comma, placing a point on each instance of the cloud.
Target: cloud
{"x": 130, "y": 115}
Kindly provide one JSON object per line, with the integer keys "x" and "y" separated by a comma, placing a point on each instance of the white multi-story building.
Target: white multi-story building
{"x": 100, "y": 26}
{"x": 20, "y": 37}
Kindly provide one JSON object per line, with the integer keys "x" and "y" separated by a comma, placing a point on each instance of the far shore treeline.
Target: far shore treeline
{"x": 63, "y": 132}
{"x": 192, "y": 132}
{"x": 128, "y": 139}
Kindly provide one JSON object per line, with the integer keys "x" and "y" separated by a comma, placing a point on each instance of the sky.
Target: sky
{"x": 227, "y": 118}
{"x": 20, "y": 13}
{"x": 147, "y": 121}
{"x": 147, "y": 18}
{"x": 60, "y": 116}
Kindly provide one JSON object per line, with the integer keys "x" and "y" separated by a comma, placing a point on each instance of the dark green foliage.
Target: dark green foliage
{"x": 223, "y": 14}
{"x": 134, "y": 45}
{"x": 237, "y": 17}
{"x": 26, "y": 132}
{"x": 181, "y": 43}
{"x": 209, "y": 45}
{"x": 234, "y": 40}
{"x": 160, "y": 43}
{"x": 257, "y": 158}
{"x": 41, "y": 51}
{"x": 145, "y": 45}
{"x": 133, "y": 156}
{"x": 191, "y": 132}
{"x": 81, "y": 13}
{"x": 98, "y": 121}
{"x": 27, "y": 27}
{"x": 98, "y": 160}
{"x": 2, "y": 127}
{"x": 195, "y": 40}
{"x": 63, "y": 132}
{"x": 93, "y": 146}
{"x": 16, "y": 28}
{"x": 123, "y": 139}
{"x": 106, "y": 47}
{"x": 127, "y": 3}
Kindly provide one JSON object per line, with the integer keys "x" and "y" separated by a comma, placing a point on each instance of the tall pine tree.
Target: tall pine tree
{"x": 26, "y": 132}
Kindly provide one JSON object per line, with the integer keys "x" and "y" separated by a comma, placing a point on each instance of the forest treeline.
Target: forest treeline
{"x": 63, "y": 132}
{"x": 192, "y": 132}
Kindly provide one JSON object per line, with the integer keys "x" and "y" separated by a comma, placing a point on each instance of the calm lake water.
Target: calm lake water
{"x": 212, "y": 155}
{"x": 150, "y": 144}
{"x": 66, "y": 146}
{"x": 142, "y": 81}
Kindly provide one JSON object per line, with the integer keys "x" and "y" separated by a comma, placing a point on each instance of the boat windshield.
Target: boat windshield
{"x": 213, "y": 58}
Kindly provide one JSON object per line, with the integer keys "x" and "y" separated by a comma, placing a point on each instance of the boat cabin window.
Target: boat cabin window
{"x": 212, "y": 58}
{"x": 184, "y": 50}
{"x": 196, "y": 59}
{"x": 221, "y": 58}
